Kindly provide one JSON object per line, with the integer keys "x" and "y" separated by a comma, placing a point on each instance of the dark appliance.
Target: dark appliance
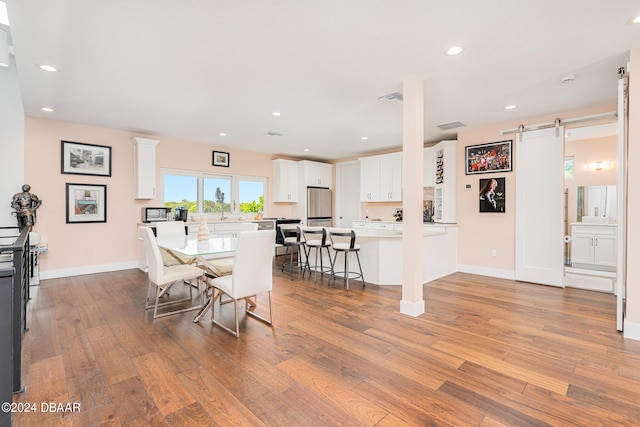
{"x": 278, "y": 222}
{"x": 181, "y": 213}
{"x": 150, "y": 214}
{"x": 319, "y": 207}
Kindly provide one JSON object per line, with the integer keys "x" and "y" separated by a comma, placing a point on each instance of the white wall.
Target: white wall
{"x": 11, "y": 143}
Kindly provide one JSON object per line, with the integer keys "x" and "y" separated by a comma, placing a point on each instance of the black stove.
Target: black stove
{"x": 279, "y": 221}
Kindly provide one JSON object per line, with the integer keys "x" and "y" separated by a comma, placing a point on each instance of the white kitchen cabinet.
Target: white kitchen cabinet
{"x": 593, "y": 246}
{"x": 444, "y": 161}
{"x": 369, "y": 179}
{"x": 285, "y": 180}
{"x": 145, "y": 168}
{"x": 427, "y": 168}
{"x": 316, "y": 174}
{"x": 381, "y": 178}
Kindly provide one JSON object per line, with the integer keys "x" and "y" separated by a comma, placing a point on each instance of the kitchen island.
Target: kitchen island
{"x": 381, "y": 251}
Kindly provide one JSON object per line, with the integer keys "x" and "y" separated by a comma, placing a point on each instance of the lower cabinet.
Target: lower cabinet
{"x": 593, "y": 246}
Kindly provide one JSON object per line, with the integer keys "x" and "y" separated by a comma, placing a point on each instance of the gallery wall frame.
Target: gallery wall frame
{"x": 492, "y": 194}
{"x": 86, "y": 203}
{"x": 488, "y": 158}
{"x": 78, "y": 158}
{"x": 221, "y": 158}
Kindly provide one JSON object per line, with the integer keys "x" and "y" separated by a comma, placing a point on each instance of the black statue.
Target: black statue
{"x": 25, "y": 204}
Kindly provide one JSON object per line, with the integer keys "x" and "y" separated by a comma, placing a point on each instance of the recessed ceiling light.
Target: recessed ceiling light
{"x": 364, "y": 138}
{"x": 306, "y": 149}
{"x": 510, "y": 107}
{"x": 455, "y": 50}
{"x": 222, "y": 134}
{"x": 275, "y": 113}
{"x": 636, "y": 20}
{"x": 49, "y": 68}
{"x": 47, "y": 109}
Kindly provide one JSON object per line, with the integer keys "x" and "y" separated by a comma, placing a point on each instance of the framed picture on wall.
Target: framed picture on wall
{"x": 487, "y": 158}
{"x": 86, "y": 203}
{"x": 220, "y": 158}
{"x": 85, "y": 159}
{"x": 492, "y": 194}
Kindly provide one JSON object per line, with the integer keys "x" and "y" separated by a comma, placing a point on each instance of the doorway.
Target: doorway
{"x": 590, "y": 219}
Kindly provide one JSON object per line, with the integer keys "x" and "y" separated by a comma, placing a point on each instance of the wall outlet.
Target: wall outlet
{"x": 494, "y": 252}
{"x": 467, "y": 186}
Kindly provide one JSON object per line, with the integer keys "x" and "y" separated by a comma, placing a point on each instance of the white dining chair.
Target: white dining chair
{"x": 163, "y": 277}
{"x": 175, "y": 231}
{"x": 252, "y": 275}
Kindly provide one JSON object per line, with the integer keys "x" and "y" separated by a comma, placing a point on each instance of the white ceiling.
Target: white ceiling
{"x": 190, "y": 69}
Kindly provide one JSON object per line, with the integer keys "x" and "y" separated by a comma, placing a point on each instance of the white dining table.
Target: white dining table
{"x": 217, "y": 246}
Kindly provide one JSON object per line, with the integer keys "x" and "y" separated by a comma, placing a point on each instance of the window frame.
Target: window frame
{"x": 234, "y": 202}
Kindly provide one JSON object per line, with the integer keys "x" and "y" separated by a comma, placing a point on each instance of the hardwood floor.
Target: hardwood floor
{"x": 487, "y": 352}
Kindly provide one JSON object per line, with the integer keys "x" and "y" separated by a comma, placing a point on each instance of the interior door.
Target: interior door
{"x": 347, "y": 193}
{"x": 539, "y": 206}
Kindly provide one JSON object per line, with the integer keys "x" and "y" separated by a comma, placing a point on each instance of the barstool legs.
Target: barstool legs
{"x": 346, "y": 271}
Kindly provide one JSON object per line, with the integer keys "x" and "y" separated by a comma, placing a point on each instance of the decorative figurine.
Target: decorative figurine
{"x": 25, "y": 204}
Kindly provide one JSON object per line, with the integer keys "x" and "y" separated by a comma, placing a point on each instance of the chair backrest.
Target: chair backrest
{"x": 315, "y": 233}
{"x": 171, "y": 229}
{"x": 342, "y": 235}
{"x": 154, "y": 258}
{"x": 252, "y": 267}
{"x": 290, "y": 233}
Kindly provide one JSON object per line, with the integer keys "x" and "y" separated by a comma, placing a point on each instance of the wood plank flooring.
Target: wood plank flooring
{"x": 487, "y": 352}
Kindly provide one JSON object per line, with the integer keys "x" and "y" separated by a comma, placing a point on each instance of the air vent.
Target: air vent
{"x": 272, "y": 133}
{"x": 451, "y": 125}
{"x": 391, "y": 98}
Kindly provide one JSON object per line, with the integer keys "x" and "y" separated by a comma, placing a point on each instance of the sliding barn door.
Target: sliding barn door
{"x": 539, "y": 169}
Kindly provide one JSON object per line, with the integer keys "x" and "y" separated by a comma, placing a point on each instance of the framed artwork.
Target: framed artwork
{"x": 492, "y": 195}
{"x": 220, "y": 158}
{"x": 85, "y": 159}
{"x": 487, "y": 158}
{"x": 86, "y": 203}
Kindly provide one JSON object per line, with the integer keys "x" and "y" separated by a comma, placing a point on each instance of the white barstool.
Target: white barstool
{"x": 316, "y": 238}
{"x": 344, "y": 241}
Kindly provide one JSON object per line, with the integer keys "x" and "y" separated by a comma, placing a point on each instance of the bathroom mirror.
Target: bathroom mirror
{"x": 597, "y": 203}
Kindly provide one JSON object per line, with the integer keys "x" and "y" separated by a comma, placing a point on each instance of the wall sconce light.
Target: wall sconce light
{"x": 598, "y": 166}
{"x": 5, "y": 58}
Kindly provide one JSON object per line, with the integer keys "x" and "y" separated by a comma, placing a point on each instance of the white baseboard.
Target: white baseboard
{"x": 631, "y": 330}
{"x": 90, "y": 269}
{"x": 414, "y": 309}
{"x": 491, "y": 272}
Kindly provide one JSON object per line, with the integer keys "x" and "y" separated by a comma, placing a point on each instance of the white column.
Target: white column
{"x": 412, "y": 158}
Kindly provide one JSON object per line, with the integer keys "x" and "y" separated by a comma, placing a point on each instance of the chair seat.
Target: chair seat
{"x": 317, "y": 243}
{"x": 292, "y": 241}
{"x": 217, "y": 267}
{"x": 225, "y": 284}
{"x": 180, "y": 272}
{"x": 345, "y": 247}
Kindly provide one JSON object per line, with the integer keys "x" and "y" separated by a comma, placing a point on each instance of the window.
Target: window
{"x": 568, "y": 168}
{"x": 209, "y": 193}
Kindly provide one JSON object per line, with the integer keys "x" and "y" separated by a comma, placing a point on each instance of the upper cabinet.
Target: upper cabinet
{"x": 285, "y": 181}
{"x": 381, "y": 178}
{"x": 145, "y": 168}
{"x": 316, "y": 174}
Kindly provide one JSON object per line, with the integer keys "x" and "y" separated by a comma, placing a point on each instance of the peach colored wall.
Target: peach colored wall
{"x": 586, "y": 152}
{"x": 479, "y": 233}
{"x": 76, "y": 246}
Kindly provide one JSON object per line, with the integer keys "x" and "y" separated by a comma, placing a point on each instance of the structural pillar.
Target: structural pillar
{"x": 412, "y": 302}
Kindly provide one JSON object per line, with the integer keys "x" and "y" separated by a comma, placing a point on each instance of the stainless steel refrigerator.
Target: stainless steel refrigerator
{"x": 319, "y": 207}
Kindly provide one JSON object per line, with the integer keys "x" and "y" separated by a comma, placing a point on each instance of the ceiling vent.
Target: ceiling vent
{"x": 391, "y": 98}
{"x": 272, "y": 133}
{"x": 451, "y": 125}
